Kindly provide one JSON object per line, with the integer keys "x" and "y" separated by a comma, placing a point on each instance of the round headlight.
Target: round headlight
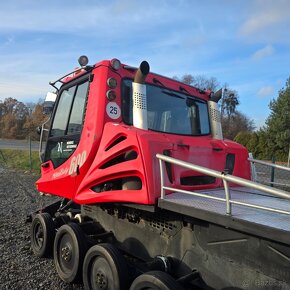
{"x": 115, "y": 64}
{"x": 83, "y": 60}
{"x": 112, "y": 83}
{"x": 111, "y": 95}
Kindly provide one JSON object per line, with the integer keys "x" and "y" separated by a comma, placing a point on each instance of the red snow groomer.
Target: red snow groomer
{"x": 152, "y": 196}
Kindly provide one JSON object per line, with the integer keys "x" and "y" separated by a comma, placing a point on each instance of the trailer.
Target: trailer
{"x": 151, "y": 194}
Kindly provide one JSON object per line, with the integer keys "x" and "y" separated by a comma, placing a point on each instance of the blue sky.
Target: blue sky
{"x": 243, "y": 43}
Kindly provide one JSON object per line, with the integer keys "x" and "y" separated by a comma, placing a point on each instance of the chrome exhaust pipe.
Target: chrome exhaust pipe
{"x": 139, "y": 97}
{"x": 215, "y": 115}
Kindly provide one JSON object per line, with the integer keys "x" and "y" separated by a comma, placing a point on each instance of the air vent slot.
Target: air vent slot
{"x": 230, "y": 163}
{"x": 168, "y": 166}
{"x": 128, "y": 183}
{"x": 197, "y": 180}
{"x": 163, "y": 224}
{"x": 129, "y": 155}
{"x": 117, "y": 141}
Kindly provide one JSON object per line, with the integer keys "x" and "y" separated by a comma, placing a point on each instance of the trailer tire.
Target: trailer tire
{"x": 42, "y": 235}
{"x": 155, "y": 280}
{"x": 105, "y": 268}
{"x": 70, "y": 246}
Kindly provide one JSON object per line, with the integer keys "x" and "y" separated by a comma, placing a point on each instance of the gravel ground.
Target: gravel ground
{"x": 19, "y": 268}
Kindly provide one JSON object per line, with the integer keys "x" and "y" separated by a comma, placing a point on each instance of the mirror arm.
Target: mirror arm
{"x": 53, "y": 85}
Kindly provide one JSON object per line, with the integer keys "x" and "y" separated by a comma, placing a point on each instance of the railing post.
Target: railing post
{"x": 272, "y": 172}
{"x": 161, "y": 179}
{"x": 228, "y": 197}
{"x": 253, "y": 167}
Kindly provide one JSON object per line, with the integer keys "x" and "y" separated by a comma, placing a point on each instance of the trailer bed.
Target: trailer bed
{"x": 261, "y": 223}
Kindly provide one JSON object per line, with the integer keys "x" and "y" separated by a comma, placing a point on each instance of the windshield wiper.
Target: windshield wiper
{"x": 183, "y": 89}
{"x": 156, "y": 81}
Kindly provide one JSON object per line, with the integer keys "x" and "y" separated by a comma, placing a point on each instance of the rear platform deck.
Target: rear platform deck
{"x": 257, "y": 222}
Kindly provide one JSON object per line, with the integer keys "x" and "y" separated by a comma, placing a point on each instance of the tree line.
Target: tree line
{"x": 273, "y": 139}
{"x": 270, "y": 141}
{"x": 19, "y": 120}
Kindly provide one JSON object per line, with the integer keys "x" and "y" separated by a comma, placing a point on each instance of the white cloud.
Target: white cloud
{"x": 280, "y": 82}
{"x": 24, "y": 75}
{"x": 258, "y": 22}
{"x": 263, "y": 52}
{"x": 10, "y": 40}
{"x": 267, "y": 19}
{"x": 91, "y": 18}
{"x": 16, "y": 89}
{"x": 30, "y": 87}
{"x": 266, "y": 13}
{"x": 266, "y": 91}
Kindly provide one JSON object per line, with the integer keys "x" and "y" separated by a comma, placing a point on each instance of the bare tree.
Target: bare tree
{"x": 229, "y": 102}
{"x": 200, "y": 81}
{"x": 236, "y": 123}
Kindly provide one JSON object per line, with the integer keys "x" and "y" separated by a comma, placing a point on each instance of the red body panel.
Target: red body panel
{"x": 99, "y": 156}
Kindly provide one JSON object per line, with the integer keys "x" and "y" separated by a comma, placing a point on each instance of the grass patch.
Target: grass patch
{"x": 19, "y": 160}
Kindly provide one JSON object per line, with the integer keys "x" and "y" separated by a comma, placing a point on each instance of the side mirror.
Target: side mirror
{"x": 49, "y": 103}
{"x": 38, "y": 130}
{"x": 216, "y": 96}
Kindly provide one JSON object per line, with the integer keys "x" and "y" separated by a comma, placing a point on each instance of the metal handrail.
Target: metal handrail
{"x": 226, "y": 178}
{"x": 269, "y": 164}
{"x": 272, "y": 166}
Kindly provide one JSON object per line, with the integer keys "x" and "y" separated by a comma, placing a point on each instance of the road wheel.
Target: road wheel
{"x": 70, "y": 247}
{"x": 155, "y": 280}
{"x": 42, "y": 235}
{"x": 105, "y": 269}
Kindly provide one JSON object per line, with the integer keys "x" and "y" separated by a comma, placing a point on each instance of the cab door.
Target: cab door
{"x": 61, "y": 158}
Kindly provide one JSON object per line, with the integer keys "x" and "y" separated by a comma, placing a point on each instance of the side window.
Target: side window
{"x": 67, "y": 123}
{"x": 77, "y": 113}
{"x": 62, "y": 112}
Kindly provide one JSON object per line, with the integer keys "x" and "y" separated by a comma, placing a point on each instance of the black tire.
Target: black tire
{"x": 42, "y": 235}
{"x": 70, "y": 246}
{"x": 155, "y": 280}
{"x": 105, "y": 268}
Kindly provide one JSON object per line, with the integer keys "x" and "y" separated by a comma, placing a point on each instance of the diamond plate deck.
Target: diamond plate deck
{"x": 258, "y": 222}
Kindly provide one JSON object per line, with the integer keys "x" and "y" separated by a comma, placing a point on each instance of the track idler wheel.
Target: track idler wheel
{"x": 155, "y": 280}
{"x": 105, "y": 269}
{"x": 42, "y": 235}
{"x": 70, "y": 246}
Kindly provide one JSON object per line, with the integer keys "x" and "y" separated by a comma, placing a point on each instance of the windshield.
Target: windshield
{"x": 169, "y": 111}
